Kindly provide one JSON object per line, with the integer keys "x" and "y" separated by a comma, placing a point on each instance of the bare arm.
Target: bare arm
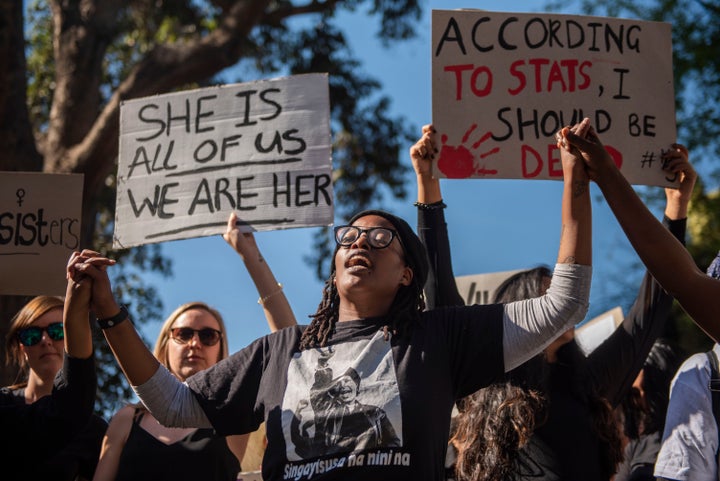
{"x": 135, "y": 359}
{"x": 76, "y": 311}
{"x": 238, "y": 445}
{"x": 677, "y": 163}
{"x": 113, "y": 444}
{"x": 576, "y": 235}
{"x": 272, "y": 298}
{"x": 530, "y": 325}
{"x": 663, "y": 255}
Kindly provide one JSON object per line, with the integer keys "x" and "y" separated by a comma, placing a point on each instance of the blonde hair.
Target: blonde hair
{"x": 29, "y": 313}
{"x": 161, "y": 345}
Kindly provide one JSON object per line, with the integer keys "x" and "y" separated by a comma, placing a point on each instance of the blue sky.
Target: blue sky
{"x": 495, "y": 225}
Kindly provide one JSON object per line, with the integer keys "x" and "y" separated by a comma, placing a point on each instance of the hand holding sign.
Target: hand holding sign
{"x": 505, "y": 83}
{"x": 188, "y": 159}
{"x": 240, "y": 238}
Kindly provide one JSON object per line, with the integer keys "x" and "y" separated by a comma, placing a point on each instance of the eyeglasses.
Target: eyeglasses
{"x": 208, "y": 336}
{"x": 378, "y": 237}
{"x": 32, "y": 335}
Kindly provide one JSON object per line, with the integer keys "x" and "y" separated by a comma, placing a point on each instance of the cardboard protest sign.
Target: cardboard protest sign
{"x": 592, "y": 333}
{"x": 504, "y": 83}
{"x": 39, "y": 229}
{"x": 480, "y": 288}
{"x": 188, "y": 159}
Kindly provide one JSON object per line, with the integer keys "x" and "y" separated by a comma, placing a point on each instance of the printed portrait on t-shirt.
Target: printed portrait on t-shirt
{"x": 342, "y": 399}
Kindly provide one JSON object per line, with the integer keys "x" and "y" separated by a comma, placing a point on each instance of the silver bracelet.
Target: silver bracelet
{"x": 263, "y": 299}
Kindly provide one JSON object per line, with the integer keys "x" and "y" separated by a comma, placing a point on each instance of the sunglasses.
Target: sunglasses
{"x": 207, "y": 336}
{"x": 32, "y": 335}
{"x": 378, "y": 237}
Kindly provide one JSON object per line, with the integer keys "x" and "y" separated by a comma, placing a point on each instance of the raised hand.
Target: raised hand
{"x": 423, "y": 154}
{"x": 91, "y": 265}
{"x": 243, "y": 242}
{"x": 676, "y": 164}
{"x": 585, "y": 144}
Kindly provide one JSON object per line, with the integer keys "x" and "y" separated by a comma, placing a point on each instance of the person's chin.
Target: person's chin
{"x": 193, "y": 368}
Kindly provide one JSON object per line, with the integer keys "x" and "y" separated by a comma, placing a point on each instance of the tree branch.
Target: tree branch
{"x": 280, "y": 14}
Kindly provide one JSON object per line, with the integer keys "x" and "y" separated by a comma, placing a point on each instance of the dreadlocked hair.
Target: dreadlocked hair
{"x": 324, "y": 320}
{"x": 406, "y": 308}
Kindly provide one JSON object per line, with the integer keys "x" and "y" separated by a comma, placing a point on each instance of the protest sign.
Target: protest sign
{"x": 480, "y": 288}
{"x": 188, "y": 159}
{"x": 39, "y": 229}
{"x": 504, "y": 83}
{"x": 592, "y": 333}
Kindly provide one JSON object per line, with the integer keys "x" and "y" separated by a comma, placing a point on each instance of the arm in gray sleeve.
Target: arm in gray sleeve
{"x": 171, "y": 402}
{"x": 530, "y": 325}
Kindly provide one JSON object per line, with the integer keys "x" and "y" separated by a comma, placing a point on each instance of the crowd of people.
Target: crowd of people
{"x": 394, "y": 377}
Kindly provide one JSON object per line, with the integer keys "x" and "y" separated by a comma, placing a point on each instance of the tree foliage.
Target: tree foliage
{"x": 65, "y": 67}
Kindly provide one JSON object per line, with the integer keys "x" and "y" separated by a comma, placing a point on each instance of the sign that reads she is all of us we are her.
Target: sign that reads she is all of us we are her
{"x": 39, "y": 230}
{"x": 503, "y": 84}
{"x": 189, "y": 159}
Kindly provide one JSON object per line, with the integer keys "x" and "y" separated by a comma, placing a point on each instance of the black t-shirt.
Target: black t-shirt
{"x": 363, "y": 406}
{"x": 50, "y": 428}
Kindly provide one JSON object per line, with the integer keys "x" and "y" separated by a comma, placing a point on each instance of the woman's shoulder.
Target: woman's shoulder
{"x": 11, "y": 395}
{"x": 126, "y": 414}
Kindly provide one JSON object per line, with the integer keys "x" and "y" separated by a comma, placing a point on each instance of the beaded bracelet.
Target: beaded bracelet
{"x": 109, "y": 322}
{"x": 435, "y": 205}
{"x": 263, "y": 299}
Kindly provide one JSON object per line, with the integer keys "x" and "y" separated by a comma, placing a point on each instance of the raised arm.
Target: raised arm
{"x": 76, "y": 311}
{"x": 617, "y": 361}
{"x": 663, "y": 255}
{"x": 440, "y": 287}
{"x": 576, "y": 233}
{"x": 135, "y": 359}
{"x": 532, "y": 324}
{"x": 272, "y": 297}
{"x": 50, "y": 422}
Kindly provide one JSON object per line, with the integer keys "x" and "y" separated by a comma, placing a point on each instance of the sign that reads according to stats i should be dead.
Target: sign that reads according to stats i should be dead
{"x": 504, "y": 83}
{"x": 39, "y": 230}
{"x": 188, "y": 159}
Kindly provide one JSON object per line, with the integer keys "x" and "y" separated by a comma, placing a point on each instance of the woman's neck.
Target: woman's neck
{"x": 350, "y": 311}
{"x": 37, "y": 388}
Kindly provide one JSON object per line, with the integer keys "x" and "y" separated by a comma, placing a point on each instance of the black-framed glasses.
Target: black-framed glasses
{"x": 378, "y": 237}
{"x": 208, "y": 336}
{"x": 33, "y": 334}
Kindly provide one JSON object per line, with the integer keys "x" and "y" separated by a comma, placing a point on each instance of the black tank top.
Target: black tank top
{"x": 202, "y": 454}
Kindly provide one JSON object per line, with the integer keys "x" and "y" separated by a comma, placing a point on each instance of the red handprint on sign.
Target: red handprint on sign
{"x": 458, "y": 162}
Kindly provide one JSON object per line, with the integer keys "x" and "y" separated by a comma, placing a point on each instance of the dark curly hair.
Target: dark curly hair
{"x": 497, "y": 421}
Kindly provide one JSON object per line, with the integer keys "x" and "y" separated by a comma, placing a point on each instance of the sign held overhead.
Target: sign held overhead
{"x": 188, "y": 159}
{"x": 504, "y": 83}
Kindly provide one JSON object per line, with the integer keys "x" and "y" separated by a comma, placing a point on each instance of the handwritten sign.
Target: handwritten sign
{"x": 480, "y": 288}
{"x": 39, "y": 229}
{"x": 504, "y": 83}
{"x": 188, "y": 159}
{"x": 592, "y": 333}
